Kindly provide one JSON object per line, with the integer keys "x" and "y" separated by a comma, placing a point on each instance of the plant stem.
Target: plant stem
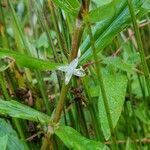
{"x": 101, "y": 83}
{"x": 43, "y": 91}
{"x": 93, "y": 112}
{"x": 133, "y": 117}
{"x": 81, "y": 120}
{"x": 3, "y": 86}
{"x": 61, "y": 41}
{"x": 45, "y": 27}
{"x": 76, "y": 36}
{"x": 60, "y": 104}
{"x": 6, "y": 43}
{"x": 140, "y": 45}
{"x": 76, "y": 39}
{"x": 18, "y": 25}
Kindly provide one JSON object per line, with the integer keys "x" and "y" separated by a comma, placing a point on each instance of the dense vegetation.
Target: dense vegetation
{"x": 74, "y": 74}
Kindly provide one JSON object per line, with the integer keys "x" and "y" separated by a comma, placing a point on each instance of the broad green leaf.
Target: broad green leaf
{"x": 3, "y": 142}
{"x": 7, "y": 133}
{"x": 104, "y": 11}
{"x": 115, "y": 87}
{"x": 28, "y": 61}
{"x": 118, "y": 63}
{"x": 143, "y": 114}
{"x": 73, "y": 140}
{"x": 18, "y": 110}
{"x": 70, "y": 6}
{"x": 105, "y": 31}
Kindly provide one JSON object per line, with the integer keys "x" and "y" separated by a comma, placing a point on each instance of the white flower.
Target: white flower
{"x": 70, "y": 70}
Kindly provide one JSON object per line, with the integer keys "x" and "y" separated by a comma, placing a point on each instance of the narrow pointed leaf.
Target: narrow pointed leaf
{"x": 18, "y": 110}
{"x": 9, "y": 137}
{"x": 106, "y": 30}
{"x": 71, "y": 6}
{"x": 75, "y": 141}
{"x": 28, "y": 61}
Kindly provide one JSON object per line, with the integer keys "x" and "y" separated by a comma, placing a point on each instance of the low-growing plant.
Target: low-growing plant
{"x": 74, "y": 74}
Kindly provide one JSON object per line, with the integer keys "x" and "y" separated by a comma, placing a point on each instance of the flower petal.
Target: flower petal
{"x": 79, "y": 72}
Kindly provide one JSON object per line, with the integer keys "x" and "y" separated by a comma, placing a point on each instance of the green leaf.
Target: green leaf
{"x": 146, "y": 5}
{"x": 106, "y": 30}
{"x": 136, "y": 90}
{"x": 73, "y": 140}
{"x": 3, "y": 142}
{"x": 9, "y": 137}
{"x": 143, "y": 114}
{"x": 104, "y": 11}
{"x": 42, "y": 41}
{"x": 94, "y": 91}
{"x": 70, "y": 6}
{"x": 101, "y": 2}
{"x": 18, "y": 110}
{"x": 115, "y": 86}
{"x": 145, "y": 9}
{"x": 28, "y": 61}
{"x": 118, "y": 63}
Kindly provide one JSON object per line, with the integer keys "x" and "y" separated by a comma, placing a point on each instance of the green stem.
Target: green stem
{"x": 60, "y": 104}
{"x": 18, "y": 25}
{"x": 140, "y": 45}
{"x": 43, "y": 91}
{"x": 128, "y": 118}
{"x": 75, "y": 45}
{"x": 81, "y": 120}
{"x": 45, "y": 27}
{"x": 65, "y": 31}
{"x": 61, "y": 42}
{"x": 101, "y": 83}
{"x": 5, "y": 38}
{"x": 93, "y": 112}
{"x": 3, "y": 86}
{"x": 76, "y": 39}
